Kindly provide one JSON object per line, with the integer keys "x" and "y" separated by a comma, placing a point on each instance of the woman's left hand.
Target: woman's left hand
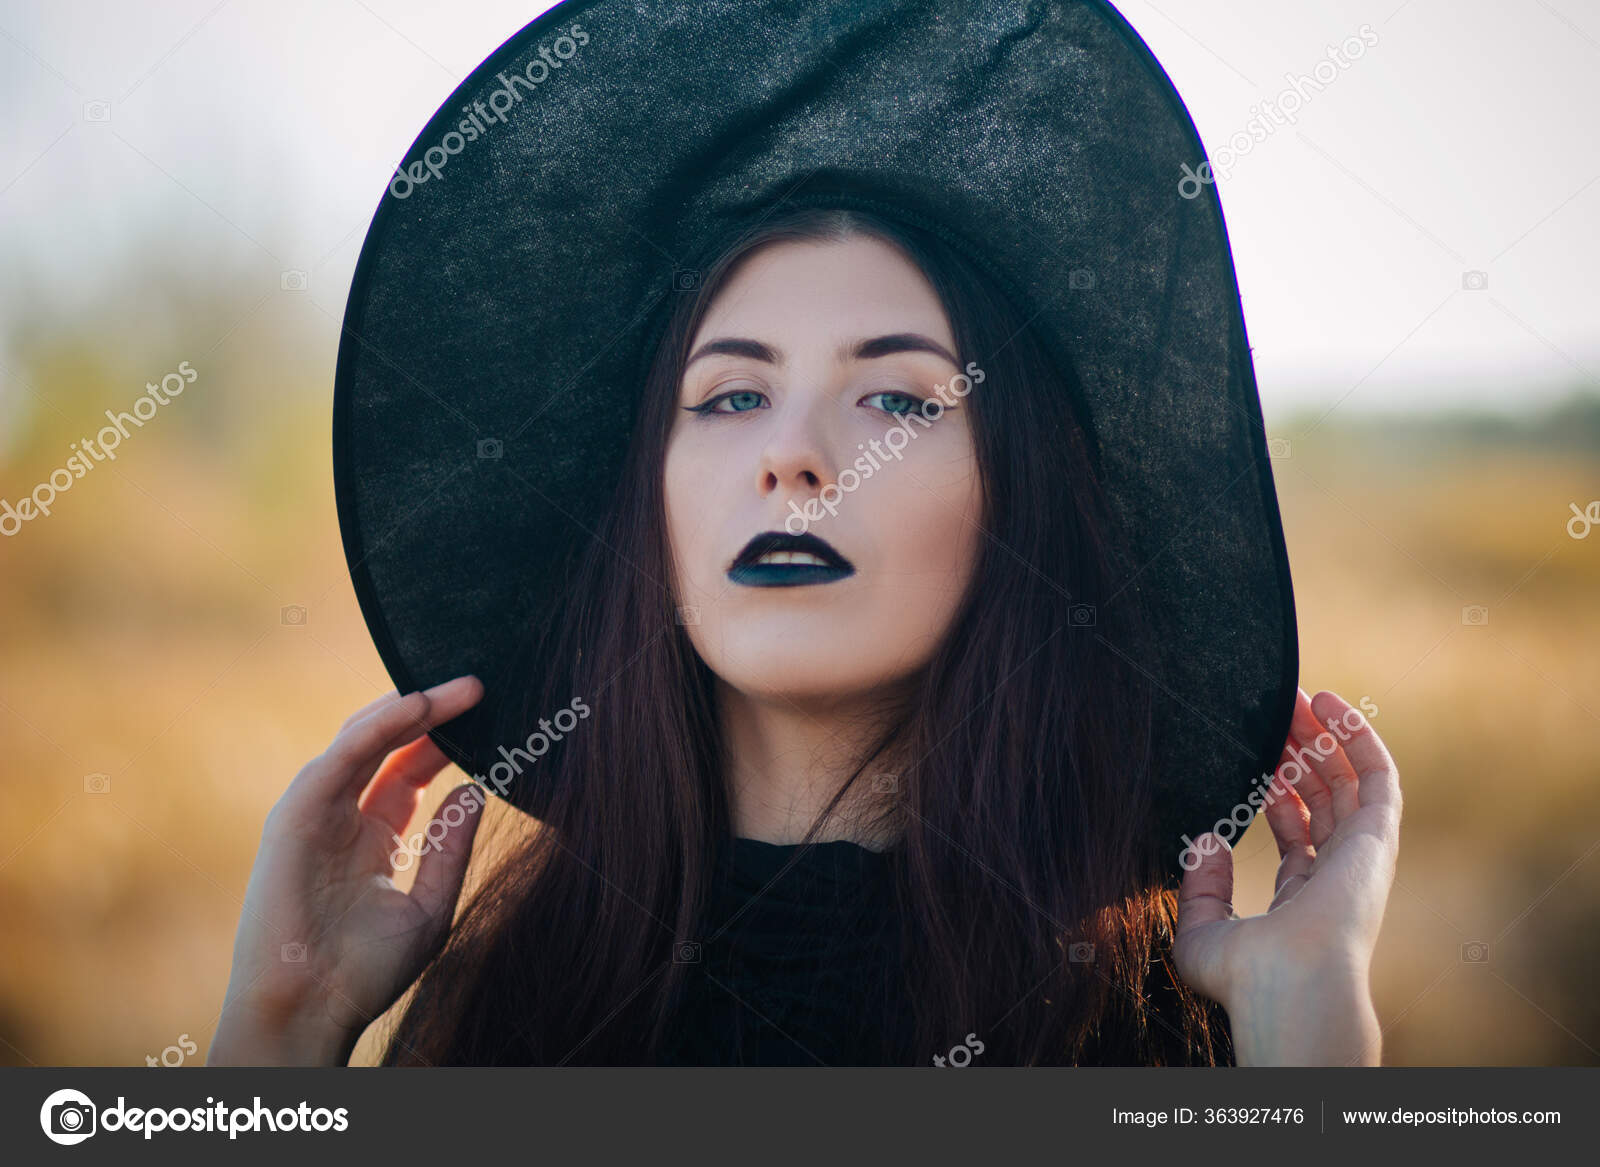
{"x": 1294, "y": 979}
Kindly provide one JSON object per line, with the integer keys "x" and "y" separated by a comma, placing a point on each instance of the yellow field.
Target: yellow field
{"x": 143, "y": 641}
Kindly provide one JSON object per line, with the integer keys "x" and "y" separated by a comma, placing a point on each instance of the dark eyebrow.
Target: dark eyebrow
{"x": 878, "y": 346}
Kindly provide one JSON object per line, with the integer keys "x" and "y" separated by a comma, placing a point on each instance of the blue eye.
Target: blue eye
{"x": 738, "y": 401}
{"x": 894, "y": 402}
{"x": 889, "y": 401}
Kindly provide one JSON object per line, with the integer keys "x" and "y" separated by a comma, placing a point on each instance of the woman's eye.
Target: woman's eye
{"x": 738, "y": 401}
{"x": 892, "y": 402}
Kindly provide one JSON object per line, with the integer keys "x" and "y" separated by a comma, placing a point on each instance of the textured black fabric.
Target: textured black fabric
{"x": 513, "y": 295}
{"x": 800, "y": 966}
{"x": 803, "y": 969}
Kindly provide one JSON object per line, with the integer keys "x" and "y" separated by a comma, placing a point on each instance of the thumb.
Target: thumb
{"x": 1206, "y": 893}
{"x": 1205, "y": 907}
{"x": 444, "y": 863}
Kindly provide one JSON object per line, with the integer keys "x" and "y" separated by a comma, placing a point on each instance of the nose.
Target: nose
{"x": 796, "y": 459}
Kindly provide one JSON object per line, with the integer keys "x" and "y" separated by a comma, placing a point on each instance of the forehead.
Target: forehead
{"x": 826, "y": 290}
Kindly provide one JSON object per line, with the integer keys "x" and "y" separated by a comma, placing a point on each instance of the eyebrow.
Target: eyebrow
{"x": 878, "y": 346}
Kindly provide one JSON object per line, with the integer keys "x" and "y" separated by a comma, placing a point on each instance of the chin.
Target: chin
{"x": 823, "y": 692}
{"x": 799, "y": 666}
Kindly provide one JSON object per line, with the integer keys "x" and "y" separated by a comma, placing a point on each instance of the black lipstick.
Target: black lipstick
{"x": 801, "y": 559}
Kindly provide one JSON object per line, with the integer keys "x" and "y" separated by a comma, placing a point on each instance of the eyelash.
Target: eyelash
{"x": 708, "y": 406}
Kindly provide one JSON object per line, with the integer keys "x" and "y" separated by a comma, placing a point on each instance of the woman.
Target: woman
{"x": 851, "y": 785}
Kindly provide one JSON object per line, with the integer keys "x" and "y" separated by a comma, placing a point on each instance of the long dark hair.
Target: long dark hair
{"x": 1027, "y": 886}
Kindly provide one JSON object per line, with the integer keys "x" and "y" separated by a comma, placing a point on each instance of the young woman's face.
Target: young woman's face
{"x": 795, "y": 417}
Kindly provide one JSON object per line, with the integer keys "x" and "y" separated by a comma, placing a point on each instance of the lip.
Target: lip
{"x": 749, "y": 573}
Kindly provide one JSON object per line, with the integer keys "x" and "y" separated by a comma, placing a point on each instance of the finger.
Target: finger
{"x": 445, "y": 702}
{"x": 392, "y": 795}
{"x": 1290, "y": 882}
{"x": 321, "y": 780}
{"x": 1205, "y": 894}
{"x": 1206, "y": 919}
{"x": 353, "y": 757}
{"x": 391, "y": 695}
{"x": 1300, "y": 769}
{"x": 439, "y": 875}
{"x": 1377, "y": 778}
{"x": 1327, "y": 758}
{"x": 1291, "y": 827}
{"x": 1287, "y": 814}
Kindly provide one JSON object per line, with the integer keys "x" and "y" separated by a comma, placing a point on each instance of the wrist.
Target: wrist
{"x": 248, "y": 1035}
{"x": 1306, "y": 1016}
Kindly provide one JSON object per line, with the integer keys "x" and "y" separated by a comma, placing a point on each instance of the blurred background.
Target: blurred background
{"x": 188, "y": 184}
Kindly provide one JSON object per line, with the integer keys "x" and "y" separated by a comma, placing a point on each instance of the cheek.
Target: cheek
{"x": 930, "y": 519}
{"x": 689, "y": 486}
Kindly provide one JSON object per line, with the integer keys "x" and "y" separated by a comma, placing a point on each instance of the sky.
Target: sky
{"x": 1422, "y": 236}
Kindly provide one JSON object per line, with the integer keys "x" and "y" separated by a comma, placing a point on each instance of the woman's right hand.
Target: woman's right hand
{"x": 326, "y": 941}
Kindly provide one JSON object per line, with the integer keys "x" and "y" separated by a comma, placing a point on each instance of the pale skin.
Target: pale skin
{"x": 799, "y": 670}
{"x": 323, "y": 878}
{"x": 797, "y": 665}
{"x": 1294, "y": 979}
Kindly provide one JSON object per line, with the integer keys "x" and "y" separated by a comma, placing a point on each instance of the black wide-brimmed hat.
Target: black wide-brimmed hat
{"x": 525, "y": 258}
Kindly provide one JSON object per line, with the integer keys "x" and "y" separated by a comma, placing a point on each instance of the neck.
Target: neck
{"x": 784, "y": 762}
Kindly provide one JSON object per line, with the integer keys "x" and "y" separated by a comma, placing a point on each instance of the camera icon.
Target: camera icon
{"x": 1081, "y": 952}
{"x": 686, "y": 952}
{"x": 1277, "y": 447}
{"x": 885, "y": 783}
{"x": 1080, "y": 279}
{"x": 1081, "y": 615}
{"x": 293, "y": 953}
{"x": 294, "y": 281}
{"x": 1475, "y": 614}
{"x": 685, "y": 279}
{"x": 97, "y": 111}
{"x": 1475, "y": 281}
{"x": 292, "y": 615}
{"x": 1474, "y": 952}
{"x": 491, "y": 448}
{"x": 71, "y": 1121}
{"x": 97, "y": 783}
{"x": 688, "y": 614}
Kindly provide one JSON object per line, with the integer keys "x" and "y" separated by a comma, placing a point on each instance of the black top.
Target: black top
{"x": 799, "y": 974}
{"x": 806, "y": 972}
